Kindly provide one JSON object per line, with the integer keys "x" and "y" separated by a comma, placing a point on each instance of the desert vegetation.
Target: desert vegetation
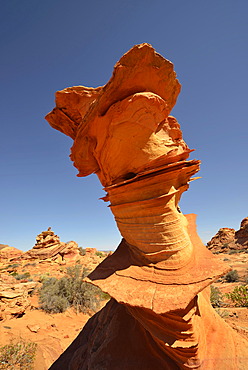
{"x": 215, "y": 296}
{"x": 239, "y": 296}
{"x": 56, "y": 295}
{"x": 18, "y": 355}
{"x": 232, "y": 276}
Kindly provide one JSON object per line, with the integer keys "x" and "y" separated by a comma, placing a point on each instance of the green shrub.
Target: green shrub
{"x": 18, "y": 355}
{"x": 25, "y": 275}
{"x": 82, "y": 251}
{"x": 232, "y": 276}
{"x": 215, "y": 296}
{"x": 30, "y": 264}
{"x": 99, "y": 254}
{"x": 56, "y": 295}
{"x": 13, "y": 266}
{"x": 239, "y": 296}
{"x": 43, "y": 277}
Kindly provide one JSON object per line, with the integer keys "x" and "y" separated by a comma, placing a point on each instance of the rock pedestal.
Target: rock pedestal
{"x": 160, "y": 316}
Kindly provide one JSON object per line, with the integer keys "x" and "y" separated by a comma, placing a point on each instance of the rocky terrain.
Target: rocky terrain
{"x": 232, "y": 248}
{"x": 228, "y": 240}
{"x": 21, "y": 317}
{"x": 21, "y": 276}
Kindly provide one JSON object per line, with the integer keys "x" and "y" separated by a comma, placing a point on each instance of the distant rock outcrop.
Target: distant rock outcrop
{"x": 7, "y": 252}
{"x": 49, "y": 246}
{"x": 227, "y": 239}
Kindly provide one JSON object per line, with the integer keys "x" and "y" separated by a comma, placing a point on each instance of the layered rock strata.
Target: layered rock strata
{"x": 49, "y": 246}
{"x": 160, "y": 316}
{"x": 14, "y": 296}
{"x": 226, "y": 239}
{"x": 8, "y": 253}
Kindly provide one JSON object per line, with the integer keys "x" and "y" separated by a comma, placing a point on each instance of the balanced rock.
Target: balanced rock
{"x": 49, "y": 246}
{"x": 159, "y": 316}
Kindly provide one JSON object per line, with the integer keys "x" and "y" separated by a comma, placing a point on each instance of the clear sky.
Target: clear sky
{"x": 52, "y": 44}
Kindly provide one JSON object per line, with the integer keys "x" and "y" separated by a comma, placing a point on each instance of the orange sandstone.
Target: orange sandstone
{"x": 160, "y": 316}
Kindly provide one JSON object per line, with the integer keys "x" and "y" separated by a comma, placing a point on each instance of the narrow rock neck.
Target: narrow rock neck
{"x": 146, "y": 212}
{"x": 155, "y": 229}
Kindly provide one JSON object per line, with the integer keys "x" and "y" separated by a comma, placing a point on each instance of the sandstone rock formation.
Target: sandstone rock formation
{"x": 8, "y": 253}
{"x": 14, "y": 296}
{"x": 49, "y": 246}
{"x": 160, "y": 316}
{"x": 227, "y": 239}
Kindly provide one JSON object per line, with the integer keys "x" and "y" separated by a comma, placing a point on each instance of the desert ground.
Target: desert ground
{"x": 22, "y": 319}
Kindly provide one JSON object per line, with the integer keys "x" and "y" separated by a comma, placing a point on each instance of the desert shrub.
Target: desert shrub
{"x": 18, "y": 355}
{"x": 13, "y": 266}
{"x": 233, "y": 251}
{"x": 43, "y": 277}
{"x": 14, "y": 273}
{"x": 239, "y": 296}
{"x": 99, "y": 254}
{"x": 25, "y": 275}
{"x": 232, "y": 276}
{"x": 56, "y": 295}
{"x": 30, "y": 264}
{"x": 222, "y": 313}
{"x": 215, "y": 296}
{"x": 82, "y": 251}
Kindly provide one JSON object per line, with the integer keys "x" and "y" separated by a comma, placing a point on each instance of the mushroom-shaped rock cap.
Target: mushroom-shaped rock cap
{"x": 140, "y": 70}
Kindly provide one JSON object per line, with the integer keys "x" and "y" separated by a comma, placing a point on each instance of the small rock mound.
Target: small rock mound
{"x": 227, "y": 239}
{"x": 14, "y": 296}
{"x": 7, "y": 252}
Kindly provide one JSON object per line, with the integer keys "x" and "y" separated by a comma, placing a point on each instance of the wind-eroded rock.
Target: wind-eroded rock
{"x": 8, "y": 253}
{"x": 49, "y": 246}
{"x": 160, "y": 316}
{"x": 227, "y": 239}
{"x": 14, "y": 296}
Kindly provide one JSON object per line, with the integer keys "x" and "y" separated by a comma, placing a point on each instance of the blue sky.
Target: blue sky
{"x": 49, "y": 45}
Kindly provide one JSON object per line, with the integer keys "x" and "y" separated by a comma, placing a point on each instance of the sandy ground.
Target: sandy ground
{"x": 53, "y": 333}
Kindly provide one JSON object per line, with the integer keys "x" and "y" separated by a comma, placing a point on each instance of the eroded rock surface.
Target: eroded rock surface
{"x": 227, "y": 239}
{"x": 14, "y": 296}
{"x": 8, "y": 253}
{"x": 49, "y": 246}
{"x": 160, "y": 314}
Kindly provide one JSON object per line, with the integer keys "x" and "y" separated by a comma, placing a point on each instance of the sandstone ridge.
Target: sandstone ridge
{"x": 227, "y": 239}
{"x": 7, "y": 252}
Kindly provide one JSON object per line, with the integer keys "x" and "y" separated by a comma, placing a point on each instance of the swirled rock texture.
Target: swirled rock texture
{"x": 159, "y": 316}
